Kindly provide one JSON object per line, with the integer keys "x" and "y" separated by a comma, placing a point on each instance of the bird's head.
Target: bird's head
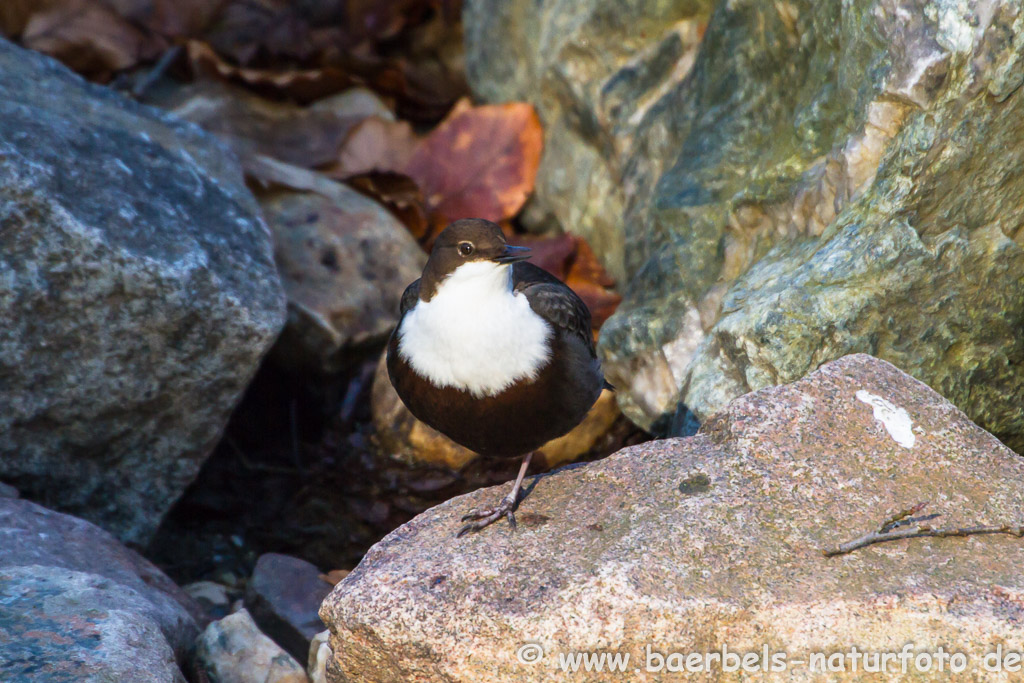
{"x": 472, "y": 248}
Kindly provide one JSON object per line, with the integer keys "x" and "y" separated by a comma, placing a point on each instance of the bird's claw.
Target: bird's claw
{"x": 487, "y": 516}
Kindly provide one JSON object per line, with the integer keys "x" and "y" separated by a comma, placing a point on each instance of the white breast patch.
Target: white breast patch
{"x": 475, "y": 333}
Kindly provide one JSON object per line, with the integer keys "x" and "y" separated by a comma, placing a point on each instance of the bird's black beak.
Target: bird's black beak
{"x": 513, "y": 254}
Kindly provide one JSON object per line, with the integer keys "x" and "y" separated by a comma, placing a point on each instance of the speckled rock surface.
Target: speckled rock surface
{"x": 815, "y": 179}
{"x": 692, "y": 545}
{"x": 137, "y": 295}
{"x": 31, "y": 535}
{"x": 233, "y": 650}
{"x": 63, "y": 626}
{"x": 345, "y": 261}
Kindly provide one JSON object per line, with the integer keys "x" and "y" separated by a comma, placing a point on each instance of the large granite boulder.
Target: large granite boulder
{"x": 815, "y": 179}
{"x": 137, "y": 295}
{"x": 76, "y": 605}
{"x": 695, "y": 545}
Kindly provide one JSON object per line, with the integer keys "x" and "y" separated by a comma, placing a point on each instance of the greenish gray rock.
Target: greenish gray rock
{"x": 694, "y": 545}
{"x": 594, "y": 85}
{"x": 826, "y": 178}
{"x": 63, "y": 626}
{"x": 137, "y": 295}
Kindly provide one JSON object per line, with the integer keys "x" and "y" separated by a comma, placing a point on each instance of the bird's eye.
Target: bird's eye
{"x": 465, "y": 248}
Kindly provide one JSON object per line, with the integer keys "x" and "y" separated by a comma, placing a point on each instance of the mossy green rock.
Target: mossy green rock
{"x": 826, "y": 178}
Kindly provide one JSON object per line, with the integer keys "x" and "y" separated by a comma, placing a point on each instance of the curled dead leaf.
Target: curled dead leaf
{"x": 571, "y": 259}
{"x": 89, "y": 37}
{"x": 300, "y": 85}
{"x": 335, "y": 576}
{"x": 400, "y": 195}
{"x": 306, "y": 136}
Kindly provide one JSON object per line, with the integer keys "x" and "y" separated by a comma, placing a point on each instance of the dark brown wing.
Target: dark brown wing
{"x": 410, "y": 296}
{"x": 553, "y": 300}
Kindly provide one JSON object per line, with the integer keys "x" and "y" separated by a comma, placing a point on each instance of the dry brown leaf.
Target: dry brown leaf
{"x": 300, "y": 85}
{"x": 267, "y": 32}
{"x": 381, "y": 19}
{"x": 14, "y": 14}
{"x": 174, "y": 19}
{"x": 400, "y": 195}
{"x": 481, "y": 162}
{"x": 269, "y": 172}
{"x": 306, "y": 136}
{"x": 335, "y": 576}
{"x": 553, "y": 254}
{"x": 90, "y": 38}
{"x": 588, "y": 278}
{"x": 376, "y": 145}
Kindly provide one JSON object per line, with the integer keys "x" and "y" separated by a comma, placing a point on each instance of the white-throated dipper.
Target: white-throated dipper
{"x": 493, "y": 352}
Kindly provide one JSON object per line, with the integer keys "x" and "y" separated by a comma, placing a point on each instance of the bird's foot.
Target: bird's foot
{"x": 487, "y": 516}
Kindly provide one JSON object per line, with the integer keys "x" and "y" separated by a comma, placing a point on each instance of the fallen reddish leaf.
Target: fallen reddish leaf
{"x": 267, "y": 31}
{"x": 553, "y": 254}
{"x": 571, "y": 259}
{"x": 174, "y": 19}
{"x": 335, "y": 576}
{"x": 601, "y": 302}
{"x": 480, "y": 162}
{"x": 382, "y": 19}
{"x": 585, "y": 266}
{"x": 14, "y": 14}
{"x": 588, "y": 278}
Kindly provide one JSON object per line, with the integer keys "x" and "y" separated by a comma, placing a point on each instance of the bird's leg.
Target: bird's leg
{"x": 487, "y": 516}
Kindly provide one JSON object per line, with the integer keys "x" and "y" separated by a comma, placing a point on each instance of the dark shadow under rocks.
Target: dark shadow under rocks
{"x": 297, "y": 472}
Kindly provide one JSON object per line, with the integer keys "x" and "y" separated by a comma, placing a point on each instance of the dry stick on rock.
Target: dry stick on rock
{"x": 901, "y": 525}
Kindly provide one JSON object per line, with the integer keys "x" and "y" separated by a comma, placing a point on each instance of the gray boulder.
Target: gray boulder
{"x": 816, "y": 179}
{"x": 710, "y": 544}
{"x": 283, "y": 596}
{"x": 63, "y": 626}
{"x": 137, "y": 295}
{"x": 36, "y": 537}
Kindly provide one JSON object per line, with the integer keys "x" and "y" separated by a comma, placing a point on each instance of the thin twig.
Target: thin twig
{"x": 157, "y": 72}
{"x": 896, "y": 527}
{"x": 900, "y": 518}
